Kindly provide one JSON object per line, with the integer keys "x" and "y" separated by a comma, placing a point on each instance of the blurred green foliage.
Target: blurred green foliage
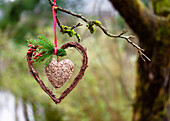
{"x": 104, "y": 94}
{"x": 24, "y": 16}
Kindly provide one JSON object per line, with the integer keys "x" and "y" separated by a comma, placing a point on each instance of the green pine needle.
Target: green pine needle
{"x": 44, "y": 50}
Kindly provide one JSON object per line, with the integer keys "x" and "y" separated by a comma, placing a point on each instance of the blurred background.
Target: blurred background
{"x": 107, "y": 90}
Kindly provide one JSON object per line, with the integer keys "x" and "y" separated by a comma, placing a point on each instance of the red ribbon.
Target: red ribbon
{"x": 54, "y": 22}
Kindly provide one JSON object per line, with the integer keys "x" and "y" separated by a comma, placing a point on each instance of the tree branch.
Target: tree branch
{"x": 77, "y": 25}
{"x": 97, "y": 23}
{"x": 73, "y": 14}
{"x": 50, "y": 2}
{"x": 121, "y": 35}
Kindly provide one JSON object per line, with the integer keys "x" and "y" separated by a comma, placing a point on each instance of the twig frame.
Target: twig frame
{"x": 84, "y": 66}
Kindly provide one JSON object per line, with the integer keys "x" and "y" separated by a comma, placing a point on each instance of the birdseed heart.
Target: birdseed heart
{"x": 58, "y": 73}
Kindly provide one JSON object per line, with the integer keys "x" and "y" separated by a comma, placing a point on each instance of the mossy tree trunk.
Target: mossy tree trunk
{"x": 153, "y": 80}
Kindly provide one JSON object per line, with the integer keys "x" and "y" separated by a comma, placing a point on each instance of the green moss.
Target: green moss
{"x": 163, "y": 32}
{"x": 162, "y": 7}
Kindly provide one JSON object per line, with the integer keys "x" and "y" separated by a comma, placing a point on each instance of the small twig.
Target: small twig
{"x": 50, "y": 2}
{"x": 127, "y": 38}
{"x": 58, "y": 22}
{"x": 142, "y": 55}
{"x": 77, "y": 25}
{"x": 73, "y": 27}
{"x": 73, "y": 14}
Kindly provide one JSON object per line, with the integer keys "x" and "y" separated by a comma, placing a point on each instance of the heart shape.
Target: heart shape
{"x": 58, "y": 73}
{"x": 79, "y": 76}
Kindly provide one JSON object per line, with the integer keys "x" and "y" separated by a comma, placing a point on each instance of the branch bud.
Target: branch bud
{"x": 97, "y": 23}
{"x": 55, "y": 8}
{"x": 91, "y": 27}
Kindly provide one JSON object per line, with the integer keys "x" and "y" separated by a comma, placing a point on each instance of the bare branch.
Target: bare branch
{"x": 127, "y": 38}
{"x": 121, "y": 35}
{"x": 73, "y": 27}
{"x": 77, "y": 25}
{"x": 50, "y": 2}
{"x": 73, "y": 14}
{"x": 58, "y": 22}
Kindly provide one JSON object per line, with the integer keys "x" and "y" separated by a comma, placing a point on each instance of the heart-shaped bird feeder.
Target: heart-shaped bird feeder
{"x": 58, "y": 73}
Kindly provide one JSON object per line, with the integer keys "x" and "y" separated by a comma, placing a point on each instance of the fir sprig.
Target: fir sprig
{"x": 42, "y": 50}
